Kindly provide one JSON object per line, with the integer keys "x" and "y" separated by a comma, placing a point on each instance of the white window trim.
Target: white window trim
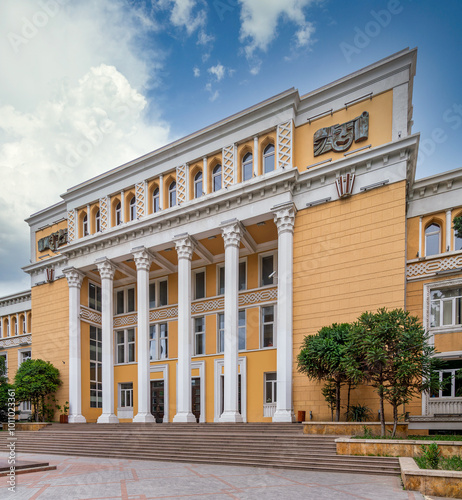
{"x": 125, "y": 412}
{"x": 274, "y": 253}
{"x": 194, "y": 272}
{"x": 124, "y": 289}
{"x": 453, "y": 386}
{"x": 164, "y": 370}
{"x": 169, "y": 192}
{"x": 245, "y": 317}
{"x": 218, "y": 267}
{"x": 126, "y": 344}
{"x": 118, "y": 214}
{"x": 195, "y": 182}
{"x": 243, "y": 162}
{"x": 97, "y": 285}
{"x": 243, "y": 259}
{"x": 222, "y": 313}
{"x": 274, "y": 384}
{"x": 218, "y": 371}
{"x": 132, "y": 208}
{"x": 20, "y": 351}
{"x": 154, "y": 196}
{"x": 275, "y": 336}
{"x": 216, "y": 175}
{"x": 196, "y": 333}
{"x": 98, "y": 221}
{"x": 267, "y": 155}
{"x": 439, "y": 238}
{"x": 157, "y": 340}
{"x": 157, "y": 282}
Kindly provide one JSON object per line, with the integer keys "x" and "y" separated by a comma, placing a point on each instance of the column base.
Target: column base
{"x": 144, "y": 418}
{"x": 77, "y": 419}
{"x": 284, "y": 416}
{"x": 107, "y": 418}
{"x": 184, "y": 418}
{"x": 231, "y": 417}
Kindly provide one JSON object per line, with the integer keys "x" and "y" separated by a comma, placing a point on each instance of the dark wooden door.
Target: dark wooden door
{"x": 157, "y": 400}
{"x": 196, "y": 397}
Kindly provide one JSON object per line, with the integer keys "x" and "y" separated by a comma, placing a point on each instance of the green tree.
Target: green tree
{"x": 35, "y": 381}
{"x": 457, "y": 221}
{"x": 392, "y": 351}
{"x": 322, "y": 357}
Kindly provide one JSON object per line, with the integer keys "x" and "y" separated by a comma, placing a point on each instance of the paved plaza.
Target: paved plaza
{"x": 78, "y": 478}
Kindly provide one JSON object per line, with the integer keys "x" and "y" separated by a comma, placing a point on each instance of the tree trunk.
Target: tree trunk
{"x": 348, "y": 400}
{"x": 395, "y": 419}
{"x": 382, "y": 415}
{"x": 337, "y": 401}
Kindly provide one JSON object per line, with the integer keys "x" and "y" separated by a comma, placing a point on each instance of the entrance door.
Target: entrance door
{"x": 222, "y": 393}
{"x": 157, "y": 400}
{"x": 196, "y": 397}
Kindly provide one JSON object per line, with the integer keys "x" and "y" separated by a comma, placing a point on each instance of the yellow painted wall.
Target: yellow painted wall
{"x": 349, "y": 257}
{"x": 50, "y": 327}
{"x": 380, "y": 110}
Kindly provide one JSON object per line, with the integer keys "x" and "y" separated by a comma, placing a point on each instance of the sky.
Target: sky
{"x": 87, "y": 85}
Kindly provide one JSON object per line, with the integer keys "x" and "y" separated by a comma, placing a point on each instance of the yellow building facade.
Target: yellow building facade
{"x": 180, "y": 286}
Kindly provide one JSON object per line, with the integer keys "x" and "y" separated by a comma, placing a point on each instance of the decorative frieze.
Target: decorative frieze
{"x": 16, "y": 341}
{"x": 228, "y": 165}
{"x": 166, "y": 313}
{"x": 430, "y": 267}
{"x": 90, "y": 315}
{"x": 140, "y": 200}
{"x": 104, "y": 213}
{"x": 284, "y": 145}
{"x": 181, "y": 173}
{"x": 130, "y": 320}
{"x": 71, "y": 233}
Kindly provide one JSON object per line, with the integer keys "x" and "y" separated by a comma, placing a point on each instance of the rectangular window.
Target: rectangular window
{"x": 126, "y": 395}
{"x": 130, "y": 300}
{"x": 451, "y": 377}
{"x": 125, "y": 301}
{"x": 221, "y": 333}
{"x": 199, "y": 286}
{"x": 221, "y": 280}
{"x": 268, "y": 338}
{"x": 24, "y": 356}
{"x": 94, "y": 297}
{"x": 242, "y": 330}
{"x": 199, "y": 336}
{"x": 163, "y": 293}
{"x": 120, "y": 302}
{"x": 158, "y": 341}
{"x": 152, "y": 295}
{"x": 96, "y": 386}
{"x": 270, "y": 387}
{"x": 158, "y": 293}
{"x": 242, "y": 275}
{"x": 446, "y": 307}
{"x": 125, "y": 346}
{"x": 24, "y": 325}
{"x": 267, "y": 270}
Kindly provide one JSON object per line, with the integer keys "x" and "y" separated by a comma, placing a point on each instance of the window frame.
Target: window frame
{"x": 245, "y": 163}
{"x": 261, "y": 256}
{"x": 92, "y": 283}
{"x": 85, "y": 226}
{"x": 126, "y": 346}
{"x": 273, "y": 398}
{"x": 98, "y": 362}
{"x": 216, "y": 174}
{"x": 199, "y": 333}
{"x": 198, "y": 184}
{"x": 239, "y": 330}
{"x": 195, "y": 272}
{"x": 172, "y": 192}
{"x": 118, "y": 214}
{"x": 157, "y": 283}
{"x": 157, "y": 340}
{"x": 268, "y": 155}
{"x": 132, "y": 208}
{"x": 441, "y": 302}
{"x": 98, "y": 221}
{"x": 439, "y": 232}
{"x": 123, "y": 393}
{"x": 21, "y": 353}
{"x": 453, "y": 372}
{"x": 125, "y": 294}
{"x": 156, "y": 197}
{"x": 262, "y": 326}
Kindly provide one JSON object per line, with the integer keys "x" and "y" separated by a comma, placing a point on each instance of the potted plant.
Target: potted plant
{"x": 64, "y": 417}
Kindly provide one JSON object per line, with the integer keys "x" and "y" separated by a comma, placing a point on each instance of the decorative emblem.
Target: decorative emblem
{"x": 53, "y": 241}
{"x": 339, "y": 138}
{"x": 50, "y": 274}
{"x": 344, "y": 185}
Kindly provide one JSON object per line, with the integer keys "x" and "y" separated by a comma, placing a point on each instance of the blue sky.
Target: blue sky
{"x": 87, "y": 85}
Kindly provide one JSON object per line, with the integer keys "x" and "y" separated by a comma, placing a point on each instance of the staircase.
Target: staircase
{"x": 252, "y": 444}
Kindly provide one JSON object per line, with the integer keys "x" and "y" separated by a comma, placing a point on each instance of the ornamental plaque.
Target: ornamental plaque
{"x": 53, "y": 241}
{"x": 339, "y": 138}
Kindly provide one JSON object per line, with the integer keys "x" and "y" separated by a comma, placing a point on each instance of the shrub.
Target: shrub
{"x": 358, "y": 413}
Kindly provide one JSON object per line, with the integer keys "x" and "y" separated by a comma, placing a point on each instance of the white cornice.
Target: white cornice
{"x": 15, "y": 298}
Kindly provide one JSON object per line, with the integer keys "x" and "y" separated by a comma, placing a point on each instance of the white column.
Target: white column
{"x": 284, "y": 217}
{"x": 161, "y": 191}
{"x": 106, "y": 270}
{"x": 449, "y": 238}
{"x": 420, "y": 238}
{"x": 74, "y": 280}
{"x": 185, "y": 249}
{"x": 205, "y": 175}
{"x": 256, "y": 156}
{"x": 231, "y": 231}
{"x": 143, "y": 263}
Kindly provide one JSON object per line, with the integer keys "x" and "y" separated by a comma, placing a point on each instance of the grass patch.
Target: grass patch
{"x": 442, "y": 437}
{"x": 450, "y": 463}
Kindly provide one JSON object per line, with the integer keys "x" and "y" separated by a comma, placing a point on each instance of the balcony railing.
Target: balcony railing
{"x": 269, "y": 409}
{"x": 444, "y": 406}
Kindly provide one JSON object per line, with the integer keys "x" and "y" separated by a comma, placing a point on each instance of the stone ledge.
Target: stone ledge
{"x": 350, "y": 428}
{"x": 430, "y": 482}
{"x": 27, "y": 426}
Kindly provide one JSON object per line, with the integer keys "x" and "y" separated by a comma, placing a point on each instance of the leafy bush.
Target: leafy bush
{"x": 358, "y": 413}
{"x": 431, "y": 455}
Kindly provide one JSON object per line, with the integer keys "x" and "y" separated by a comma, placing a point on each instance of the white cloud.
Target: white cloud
{"x": 197, "y": 72}
{"x": 184, "y": 14}
{"x": 304, "y": 36}
{"x": 214, "y": 94}
{"x": 259, "y": 20}
{"x": 204, "y": 39}
{"x": 218, "y": 71}
{"x": 72, "y": 105}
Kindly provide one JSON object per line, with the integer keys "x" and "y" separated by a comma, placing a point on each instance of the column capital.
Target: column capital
{"x": 142, "y": 258}
{"x": 106, "y": 268}
{"x": 73, "y": 276}
{"x": 184, "y": 245}
{"x": 232, "y": 232}
{"x": 284, "y": 217}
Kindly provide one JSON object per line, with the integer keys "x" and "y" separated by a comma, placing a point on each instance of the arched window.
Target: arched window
{"x": 15, "y": 322}
{"x": 156, "y": 200}
{"x": 85, "y": 225}
{"x": 7, "y": 327}
{"x": 247, "y": 166}
{"x": 432, "y": 240}
{"x": 97, "y": 222}
{"x": 133, "y": 208}
{"x": 268, "y": 159}
{"x": 172, "y": 194}
{"x": 24, "y": 324}
{"x": 216, "y": 178}
{"x": 118, "y": 214}
{"x": 198, "y": 185}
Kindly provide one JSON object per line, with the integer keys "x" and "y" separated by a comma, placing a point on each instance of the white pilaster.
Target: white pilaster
{"x": 205, "y": 176}
{"x": 143, "y": 263}
{"x": 231, "y": 231}
{"x": 185, "y": 249}
{"x": 449, "y": 238}
{"x": 284, "y": 217}
{"x": 420, "y": 238}
{"x": 161, "y": 191}
{"x": 74, "y": 280}
{"x": 106, "y": 270}
{"x": 256, "y": 156}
